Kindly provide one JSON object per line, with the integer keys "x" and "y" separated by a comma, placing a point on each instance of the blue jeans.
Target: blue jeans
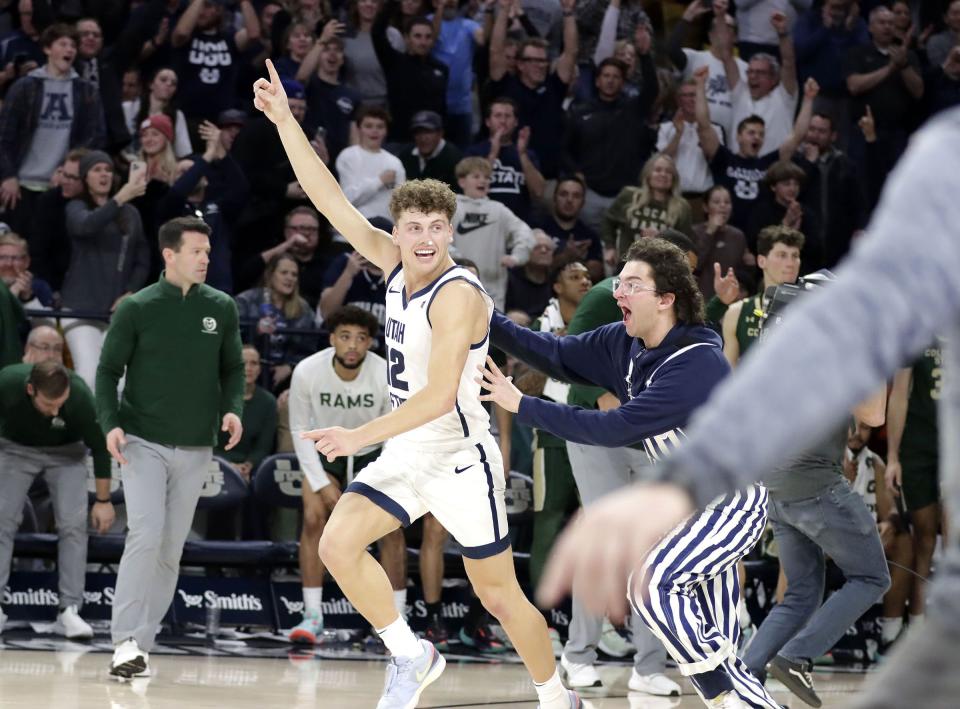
{"x": 836, "y": 523}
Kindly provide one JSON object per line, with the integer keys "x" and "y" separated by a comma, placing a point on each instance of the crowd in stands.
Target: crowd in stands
{"x": 759, "y": 131}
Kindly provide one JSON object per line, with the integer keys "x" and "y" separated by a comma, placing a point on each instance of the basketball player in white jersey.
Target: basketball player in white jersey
{"x": 342, "y": 384}
{"x": 439, "y": 455}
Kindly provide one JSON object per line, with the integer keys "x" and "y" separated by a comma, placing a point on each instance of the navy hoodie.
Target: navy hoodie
{"x": 658, "y": 388}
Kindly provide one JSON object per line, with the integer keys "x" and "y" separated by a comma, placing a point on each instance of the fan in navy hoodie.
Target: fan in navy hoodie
{"x": 659, "y": 387}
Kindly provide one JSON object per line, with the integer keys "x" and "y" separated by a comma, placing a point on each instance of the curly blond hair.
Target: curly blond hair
{"x": 423, "y": 196}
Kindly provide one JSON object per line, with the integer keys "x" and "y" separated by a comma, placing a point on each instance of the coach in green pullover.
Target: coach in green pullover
{"x": 47, "y": 423}
{"x": 179, "y": 343}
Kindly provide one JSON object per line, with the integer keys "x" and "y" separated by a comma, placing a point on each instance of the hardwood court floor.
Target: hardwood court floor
{"x": 74, "y": 678}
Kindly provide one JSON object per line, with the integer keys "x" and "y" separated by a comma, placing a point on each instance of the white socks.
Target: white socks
{"x": 313, "y": 600}
{"x": 400, "y": 640}
{"x": 890, "y": 628}
{"x": 552, "y": 693}
{"x": 400, "y": 602}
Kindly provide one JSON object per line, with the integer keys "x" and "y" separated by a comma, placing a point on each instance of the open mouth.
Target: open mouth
{"x": 425, "y": 254}
{"x": 626, "y": 313}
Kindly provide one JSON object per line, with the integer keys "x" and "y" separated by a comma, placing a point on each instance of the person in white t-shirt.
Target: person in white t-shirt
{"x": 767, "y": 88}
{"x": 721, "y": 36}
{"x": 368, "y": 173}
{"x": 345, "y": 384}
{"x": 679, "y": 139}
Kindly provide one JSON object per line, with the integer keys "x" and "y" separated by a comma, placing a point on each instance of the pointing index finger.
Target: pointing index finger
{"x": 274, "y": 76}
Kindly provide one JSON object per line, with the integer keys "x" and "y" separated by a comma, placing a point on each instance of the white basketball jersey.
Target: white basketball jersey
{"x": 865, "y": 484}
{"x": 408, "y": 335}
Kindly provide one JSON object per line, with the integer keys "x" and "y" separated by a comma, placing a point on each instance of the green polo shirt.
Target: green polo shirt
{"x": 22, "y": 423}
{"x": 598, "y": 308}
{"x": 181, "y": 355}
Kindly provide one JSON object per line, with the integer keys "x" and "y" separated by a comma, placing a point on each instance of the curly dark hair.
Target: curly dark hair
{"x": 424, "y": 196}
{"x": 671, "y": 274}
{"x": 352, "y": 315}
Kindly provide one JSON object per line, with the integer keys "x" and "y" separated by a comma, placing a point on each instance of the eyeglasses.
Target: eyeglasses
{"x": 630, "y": 286}
{"x": 48, "y": 348}
{"x": 11, "y": 259}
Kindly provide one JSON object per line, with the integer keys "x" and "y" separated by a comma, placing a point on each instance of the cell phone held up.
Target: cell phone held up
{"x": 138, "y": 171}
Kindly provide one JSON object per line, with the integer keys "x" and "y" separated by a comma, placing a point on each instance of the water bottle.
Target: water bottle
{"x": 213, "y": 619}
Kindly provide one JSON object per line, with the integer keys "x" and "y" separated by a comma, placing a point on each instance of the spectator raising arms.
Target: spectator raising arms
{"x": 109, "y": 256}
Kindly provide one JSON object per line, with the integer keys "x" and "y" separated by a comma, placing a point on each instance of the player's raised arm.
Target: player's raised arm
{"x": 317, "y": 181}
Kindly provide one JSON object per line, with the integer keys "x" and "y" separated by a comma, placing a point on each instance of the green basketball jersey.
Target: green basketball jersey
{"x": 748, "y": 324}
{"x": 920, "y": 429}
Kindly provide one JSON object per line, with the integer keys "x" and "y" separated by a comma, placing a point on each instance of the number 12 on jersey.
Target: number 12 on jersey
{"x": 394, "y": 370}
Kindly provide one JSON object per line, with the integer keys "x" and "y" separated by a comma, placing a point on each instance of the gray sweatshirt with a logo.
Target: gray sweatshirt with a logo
{"x": 485, "y": 231}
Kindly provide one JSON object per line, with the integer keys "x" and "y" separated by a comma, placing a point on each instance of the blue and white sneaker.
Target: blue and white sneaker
{"x": 575, "y": 701}
{"x": 407, "y": 678}
{"x": 309, "y": 630}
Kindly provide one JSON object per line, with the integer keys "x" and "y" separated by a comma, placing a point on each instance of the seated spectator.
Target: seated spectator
{"x": 940, "y": 44}
{"x": 307, "y": 238}
{"x": 368, "y": 173}
{"x": 330, "y": 102}
{"x": 276, "y": 306}
{"x": 155, "y": 98}
{"x": 486, "y": 232}
{"x": 47, "y": 423}
{"x": 51, "y": 245}
{"x": 718, "y": 244}
{"x": 833, "y": 190}
{"x": 570, "y": 235}
{"x": 608, "y": 137}
{"x": 516, "y": 180}
{"x": 207, "y": 58}
{"x": 679, "y": 140}
{"x": 430, "y": 155}
{"x": 537, "y": 91}
{"x": 43, "y": 344}
{"x": 528, "y": 286}
{"x": 30, "y": 149}
{"x": 415, "y": 80}
{"x": 213, "y": 187}
{"x": 33, "y": 292}
{"x": 456, "y": 39}
{"x": 644, "y": 211}
{"x": 782, "y": 206}
{"x": 362, "y": 69}
{"x": 721, "y": 36}
{"x": 742, "y": 171}
{"x": 352, "y": 280}
{"x": 259, "y": 421}
{"x": 109, "y": 256}
{"x": 766, "y": 88}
